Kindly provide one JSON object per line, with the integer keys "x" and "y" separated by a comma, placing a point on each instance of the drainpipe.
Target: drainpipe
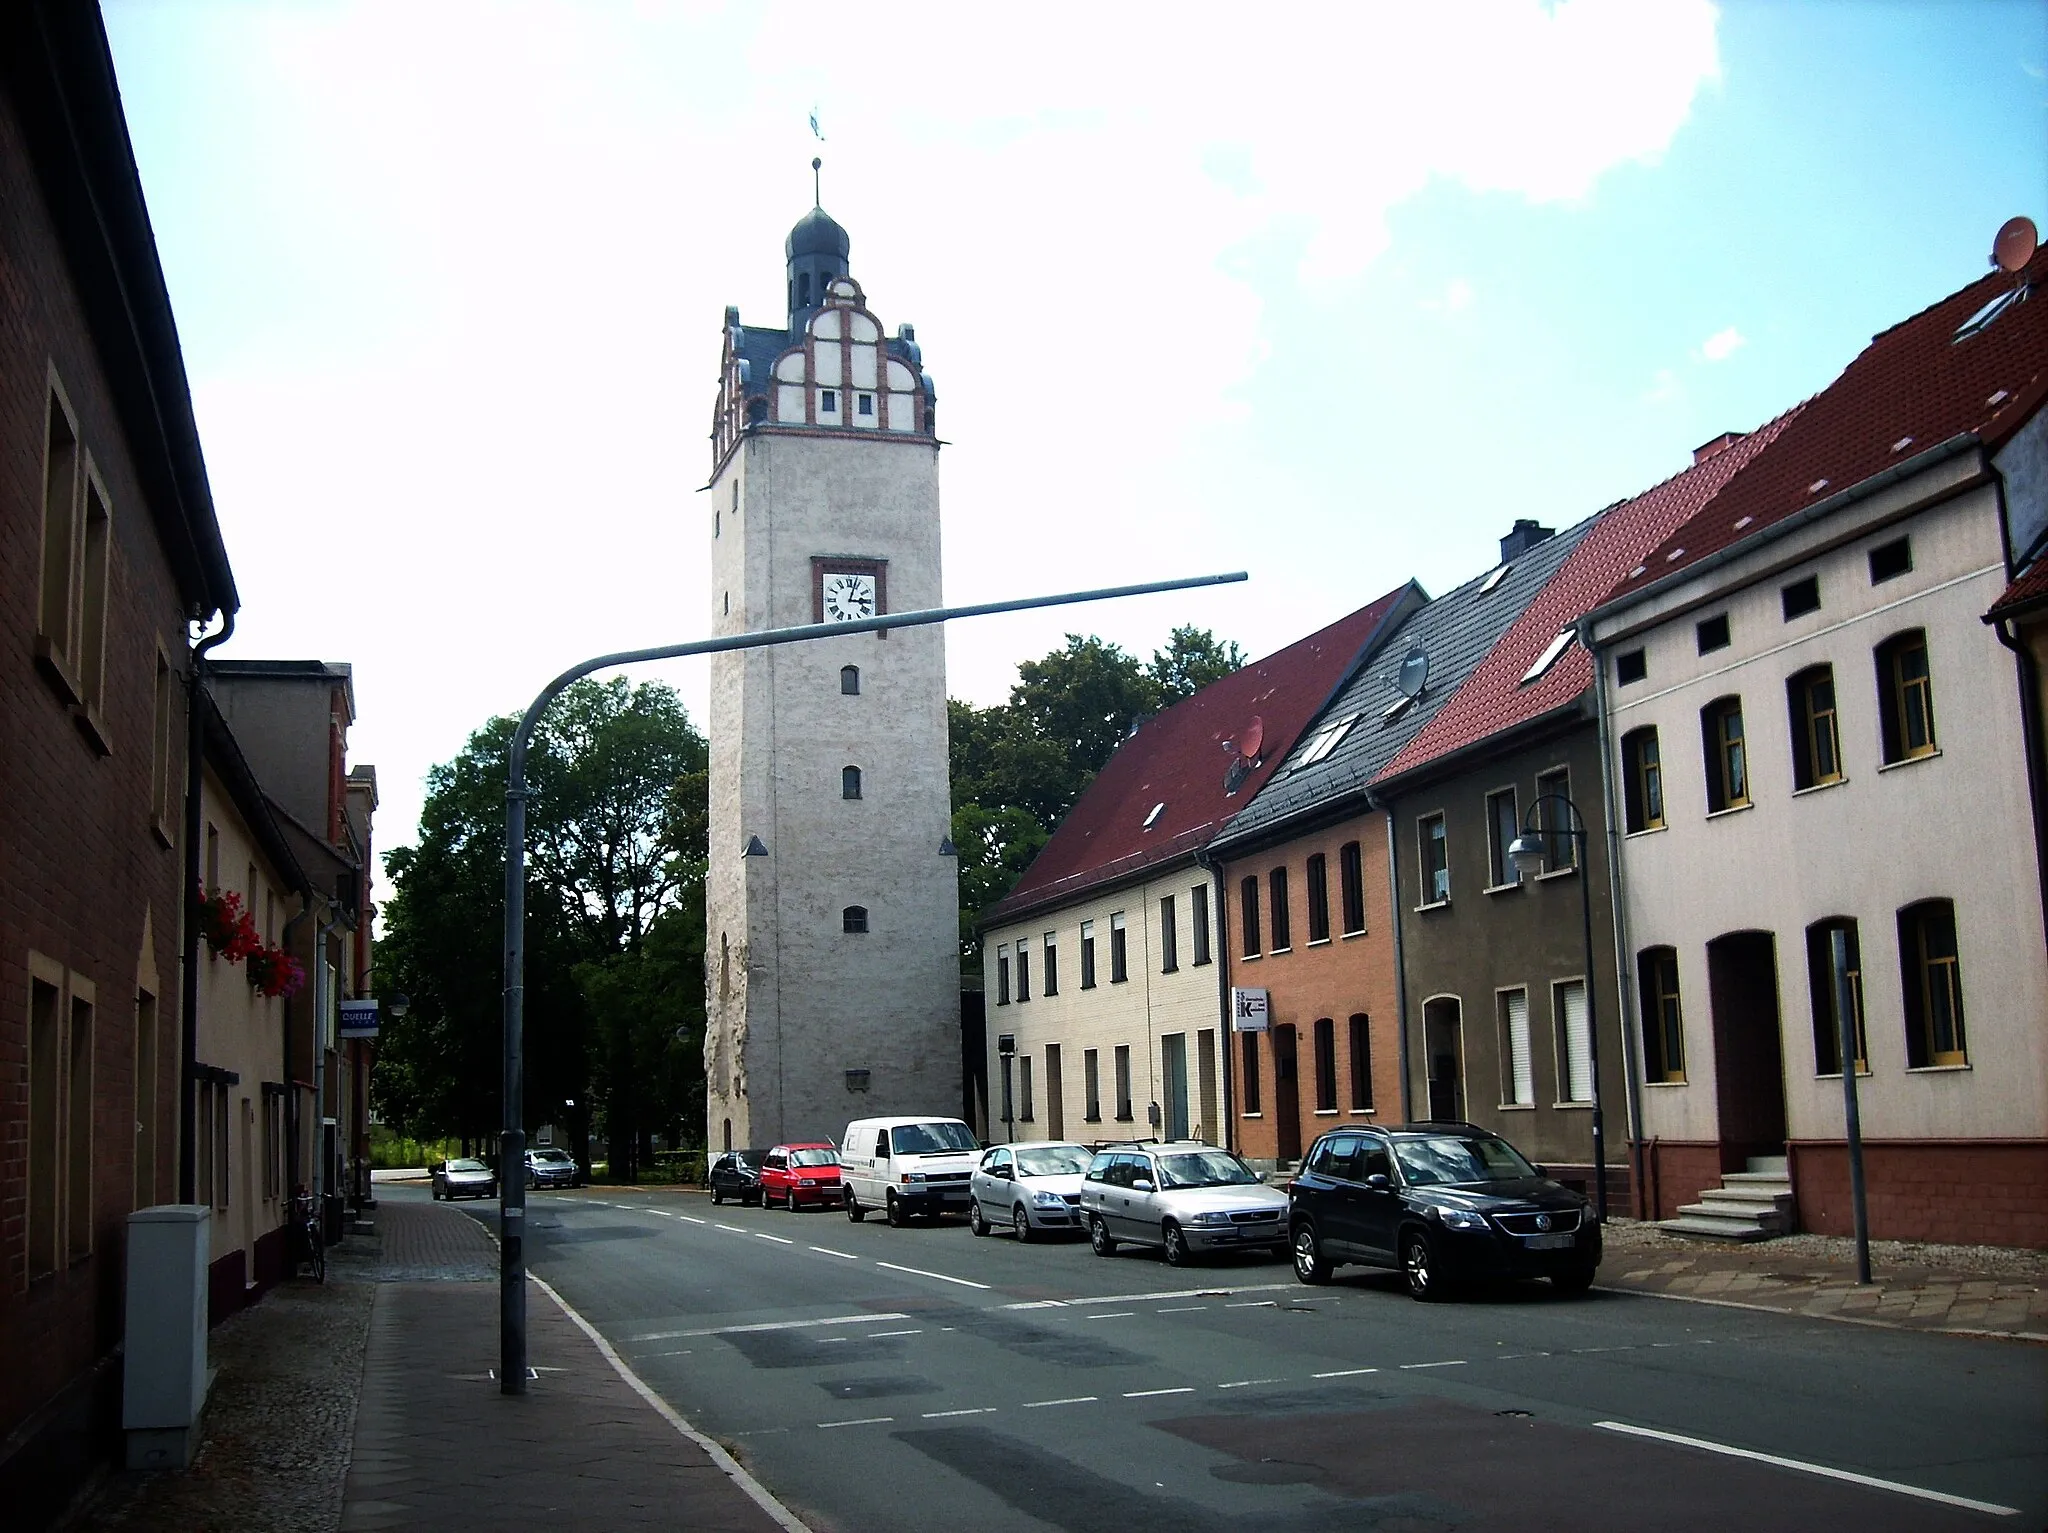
{"x": 291, "y": 1090}
{"x": 1226, "y": 1035}
{"x": 1373, "y": 801}
{"x": 188, "y": 993}
{"x": 322, "y": 1001}
{"x": 1624, "y": 989}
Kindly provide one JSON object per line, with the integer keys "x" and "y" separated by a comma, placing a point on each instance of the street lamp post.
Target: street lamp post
{"x": 1530, "y": 850}
{"x": 512, "y": 1368}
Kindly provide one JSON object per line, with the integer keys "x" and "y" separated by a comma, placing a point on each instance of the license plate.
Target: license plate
{"x": 1548, "y": 1242}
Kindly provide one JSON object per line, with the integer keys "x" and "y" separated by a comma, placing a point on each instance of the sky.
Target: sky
{"x": 1331, "y": 296}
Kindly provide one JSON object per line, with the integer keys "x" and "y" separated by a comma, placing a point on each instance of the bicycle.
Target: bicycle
{"x": 308, "y": 1241}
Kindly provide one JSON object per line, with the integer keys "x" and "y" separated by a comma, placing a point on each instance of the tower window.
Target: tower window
{"x": 849, "y": 680}
{"x": 854, "y": 919}
{"x": 803, "y": 291}
{"x": 864, "y": 404}
{"x": 849, "y": 782}
{"x": 828, "y": 401}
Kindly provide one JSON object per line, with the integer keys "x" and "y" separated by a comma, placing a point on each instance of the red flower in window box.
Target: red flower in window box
{"x": 229, "y": 929}
{"x": 275, "y": 972}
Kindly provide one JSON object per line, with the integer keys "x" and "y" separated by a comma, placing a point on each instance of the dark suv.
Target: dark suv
{"x": 1444, "y": 1203}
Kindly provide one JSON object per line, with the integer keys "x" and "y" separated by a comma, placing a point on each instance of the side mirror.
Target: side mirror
{"x": 1141, "y": 1185}
{"x": 1379, "y": 1181}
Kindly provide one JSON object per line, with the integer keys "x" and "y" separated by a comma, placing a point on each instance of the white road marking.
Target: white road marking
{"x": 1034, "y": 1405}
{"x": 979, "y": 1410}
{"x": 1140, "y": 1298}
{"x": 1820, "y": 1469}
{"x": 732, "y": 1229}
{"x": 685, "y": 1352}
{"x": 1146, "y": 1394}
{"x": 1252, "y": 1304}
{"x": 1456, "y": 1362}
{"x": 1114, "y": 1314}
{"x": 1183, "y": 1309}
{"x": 691, "y": 1217}
{"x": 781, "y": 1240}
{"x": 842, "y": 1255}
{"x": 895, "y": 1333}
{"x": 771, "y": 1325}
{"x": 826, "y": 1341}
{"x": 860, "y": 1421}
{"x": 942, "y": 1277}
{"x": 1247, "y": 1383}
{"x": 1343, "y": 1373}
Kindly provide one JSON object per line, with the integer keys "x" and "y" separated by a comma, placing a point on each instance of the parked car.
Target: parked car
{"x": 1186, "y": 1198}
{"x": 796, "y": 1174}
{"x": 736, "y": 1174}
{"x": 1443, "y": 1202}
{"x": 906, "y": 1166}
{"x": 1029, "y": 1188}
{"x": 463, "y": 1179}
{"x": 551, "y": 1167}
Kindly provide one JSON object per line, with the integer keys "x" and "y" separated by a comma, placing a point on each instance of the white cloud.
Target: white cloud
{"x": 1664, "y": 388}
{"x": 1722, "y": 345}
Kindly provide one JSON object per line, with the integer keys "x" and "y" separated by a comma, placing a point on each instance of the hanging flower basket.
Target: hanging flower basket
{"x": 229, "y": 929}
{"x": 275, "y": 972}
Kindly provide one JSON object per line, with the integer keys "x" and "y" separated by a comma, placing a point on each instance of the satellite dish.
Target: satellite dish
{"x": 1414, "y": 673}
{"x": 1251, "y": 738}
{"x": 2015, "y": 245}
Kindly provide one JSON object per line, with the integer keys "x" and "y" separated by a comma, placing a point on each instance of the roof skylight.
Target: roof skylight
{"x": 1982, "y": 320}
{"x": 1548, "y": 658}
{"x": 1499, "y": 574}
{"x": 1152, "y": 818}
{"x": 1324, "y": 740}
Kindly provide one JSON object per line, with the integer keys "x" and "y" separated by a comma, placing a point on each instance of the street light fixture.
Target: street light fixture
{"x": 1531, "y": 852}
{"x": 512, "y": 1370}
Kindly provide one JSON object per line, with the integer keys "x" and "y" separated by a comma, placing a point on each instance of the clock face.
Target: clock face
{"x": 848, "y": 596}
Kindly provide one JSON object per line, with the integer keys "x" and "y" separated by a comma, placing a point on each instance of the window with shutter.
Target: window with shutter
{"x": 1574, "y": 1040}
{"x": 1520, "y": 1071}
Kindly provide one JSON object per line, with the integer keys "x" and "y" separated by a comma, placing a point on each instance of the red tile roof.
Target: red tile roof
{"x": 2023, "y": 595}
{"x": 1493, "y": 698}
{"x": 1178, "y": 759}
{"x": 1913, "y": 388}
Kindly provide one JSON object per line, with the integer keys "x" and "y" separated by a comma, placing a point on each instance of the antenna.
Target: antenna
{"x": 2015, "y": 244}
{"x": 1414, "y": 673}
{"x": 817, "y": 183}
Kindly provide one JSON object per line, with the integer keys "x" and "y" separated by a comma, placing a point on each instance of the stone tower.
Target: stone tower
{"x": 832, "y": 901}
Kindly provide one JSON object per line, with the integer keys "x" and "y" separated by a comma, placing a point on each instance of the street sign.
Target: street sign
{"x": 1248, "y": 1009}
{"x": 359, "y": 1019}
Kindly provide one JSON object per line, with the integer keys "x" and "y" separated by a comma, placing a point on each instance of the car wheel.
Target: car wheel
{"x": 1099, "y": 1237}
{"x": 854, "y": 1212}
{"x": 897, "y": 1217}
{"x": 1310, "y": 1265}
{"x": 976, "y": 1220}
{"x": 1022, "y": 1220}
{"x": 1573, "y": 1282}
{"x": 717, "y": 1197}
{"x": 1175, "y": 1244}
{"x": 1418, "y": 1267}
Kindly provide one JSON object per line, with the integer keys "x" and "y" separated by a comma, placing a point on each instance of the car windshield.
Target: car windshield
{"x": 1053, "y": 1160}
{"x": 1434, "y": 1161}
{"x": 466, "y": 1165}
{"x": 814, "y": 1157}
{"x": 1206, "y": 1168}
{"x": 552, "y": 1157}
{"x": 931, "y": 1138}
{"x": 748, "y": 1157}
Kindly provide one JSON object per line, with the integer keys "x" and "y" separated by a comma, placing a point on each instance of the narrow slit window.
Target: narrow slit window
{"x": 849, "y": 782}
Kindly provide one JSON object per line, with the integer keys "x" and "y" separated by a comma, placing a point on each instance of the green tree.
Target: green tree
{"x": 1193, "y": 657}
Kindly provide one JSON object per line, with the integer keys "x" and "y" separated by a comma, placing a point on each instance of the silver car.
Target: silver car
{"x": 1029, "y": 1188}
{"x": 1188, "y": 1199}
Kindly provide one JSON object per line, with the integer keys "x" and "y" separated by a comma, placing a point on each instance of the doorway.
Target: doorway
{"x": 1173, "y": 1064}
{"x": 1286, "y": 1096}
{"x": 1055, "y": 1094}
{"x": 1443, "y": 1033}
{"x": 1749, "y": 1049}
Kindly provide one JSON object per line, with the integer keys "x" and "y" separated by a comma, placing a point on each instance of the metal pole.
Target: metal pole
{"x": 512, "y": 1143}
{"x": 1852, "y": 1120}
{"x": 1592, "y": 1024}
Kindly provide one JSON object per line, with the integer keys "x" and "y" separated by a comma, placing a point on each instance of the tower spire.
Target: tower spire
{"x": 817, "y": 192}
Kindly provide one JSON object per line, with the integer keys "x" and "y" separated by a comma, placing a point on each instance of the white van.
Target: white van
{"x": 905, "y": 1166}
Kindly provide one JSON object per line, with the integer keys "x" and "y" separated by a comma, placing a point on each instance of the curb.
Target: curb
{"x": 1800, "y": 1314}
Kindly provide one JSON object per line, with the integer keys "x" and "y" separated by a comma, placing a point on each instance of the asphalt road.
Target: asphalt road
{"x": 877, "y": 1378}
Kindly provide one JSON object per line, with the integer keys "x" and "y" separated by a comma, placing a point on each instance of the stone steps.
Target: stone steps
{"x": 1755, "y": 1204}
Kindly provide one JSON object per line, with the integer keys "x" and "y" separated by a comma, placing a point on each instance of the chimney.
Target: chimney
{"x": 1706, "y": 450}
{"x": 1525, "y": 536}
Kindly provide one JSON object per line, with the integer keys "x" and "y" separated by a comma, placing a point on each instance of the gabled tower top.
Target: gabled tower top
{"x": 816, "y": 251}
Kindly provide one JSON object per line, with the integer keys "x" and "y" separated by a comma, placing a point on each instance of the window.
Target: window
{"x": 1436, "y": 859}
{"x": 849, "y": 680}
{"x": 849, "y": 782}
{"x": 1119, "y": 969}
{"x": 1052, "y": 963}
{"x": 1087, "y": 955}
{"x": 1248, "y": 909}
{"x": 1823, "y": 992}
{"x": 45, "y": 1125}
{"x": 1055, "y": 1094}
{"x": 1554, "y": 818}
{"x": 1801, "y": 597}
{"x": 1888, "y": 561}
{"x": 1642, "y": 785}
{"x": 1248, "y": 1085}
{"x": 1282, "y": 940}
{"x": 1091, "y": 1086}
{"x": 1630, "y": 666}
{"x": 1023, "y": 971}
{"x": 1351, "y": 885}
{"x": 1574, "y": 1041}
{"x": 1361, "y": 1063}
{"x": 1548, "y": 658}
{"x": 1326, "y": 1064}
{"x": 78, "y": 1117}
{"x": 1663, "y": 1017}
{"x": 854, "y": 918}
{"x": 1503, "y": 825}
{"x": 1816, "y": 740}
{"x": 1123, "y": 1083}
{"x": 1323, "y": 741}
{"x": 1517, "y": 1067}
{"x": 1318, "y": 881}
{"x": 864, "y": 404}
{"x": 1727, "y": 757}
{"x": 1905, "y": 697}
{"x": 1169, "y": 937}
{"x": 1003, "y": 974}
{"x": 1198, "y": 918}
{"x": 273, "y": 1141}
{"x": 92, "y": 595}
{"x": 1933, "y": 983}
{"x": 1712, "y": 633}
{"x": 1024, "y": 1086}
{"x": 163, "y": 757}
{"x": 828, "y": 401}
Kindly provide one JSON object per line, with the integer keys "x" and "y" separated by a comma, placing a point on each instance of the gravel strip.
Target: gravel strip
{"x": 1899, "y": 1257}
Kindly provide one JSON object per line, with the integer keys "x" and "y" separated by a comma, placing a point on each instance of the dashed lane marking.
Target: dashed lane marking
{"x": 858, "y": 1421}
{"x": 1147, "y": 1394}
{"x": 781, "y": 1240}
{"x": 1340, "y": 1373}
{"x": 731, "y": 1229}
{"x": 1455, "y": 1362}
{"x": 873, "y": 1334}
{"x": 692, "y": 1218}
{"x": 845, "y": 1256}
{"x": 1140, "y": 1298}
{"x": 1114, "y": 1314}
{"x": 977, "y": 1410}
{"x": 942, "y": 1277}
{"x": 1253, "y": 1304}
{"x": 772, "y": 1325}
{"x": 1182, "y": 1309}
{"x": 1038, "y": 1405}
{"x": 1247, "y": 1383}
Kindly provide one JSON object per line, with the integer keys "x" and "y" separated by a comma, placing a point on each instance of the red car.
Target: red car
{"x": 796, "y": 1174}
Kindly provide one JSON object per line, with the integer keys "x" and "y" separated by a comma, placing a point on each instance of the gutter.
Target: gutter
{"x": 196, "y": 706}
{"x": 1374, "y": 801}
{"x": 1624, "y": 988}
{"x": 291, "y": 1091}
{"x": 2031, "y": 731}
{"x": 1214, "y": 869}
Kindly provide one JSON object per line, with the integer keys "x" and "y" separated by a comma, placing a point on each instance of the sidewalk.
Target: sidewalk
{"x": 372, "y": 1404}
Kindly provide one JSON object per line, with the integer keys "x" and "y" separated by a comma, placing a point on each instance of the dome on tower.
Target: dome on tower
{"x": 817, "y": 233}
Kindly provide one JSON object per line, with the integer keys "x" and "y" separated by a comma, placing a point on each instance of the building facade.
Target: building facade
{"x": 832, "y": 898}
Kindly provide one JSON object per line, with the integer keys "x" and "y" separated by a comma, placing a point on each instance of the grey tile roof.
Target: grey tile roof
{"x": 1457, "y": 631}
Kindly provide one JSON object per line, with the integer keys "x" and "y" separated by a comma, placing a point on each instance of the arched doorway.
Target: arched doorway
{"x": 1443, "y": 1034}
{"x": 1749, "y": 1049}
